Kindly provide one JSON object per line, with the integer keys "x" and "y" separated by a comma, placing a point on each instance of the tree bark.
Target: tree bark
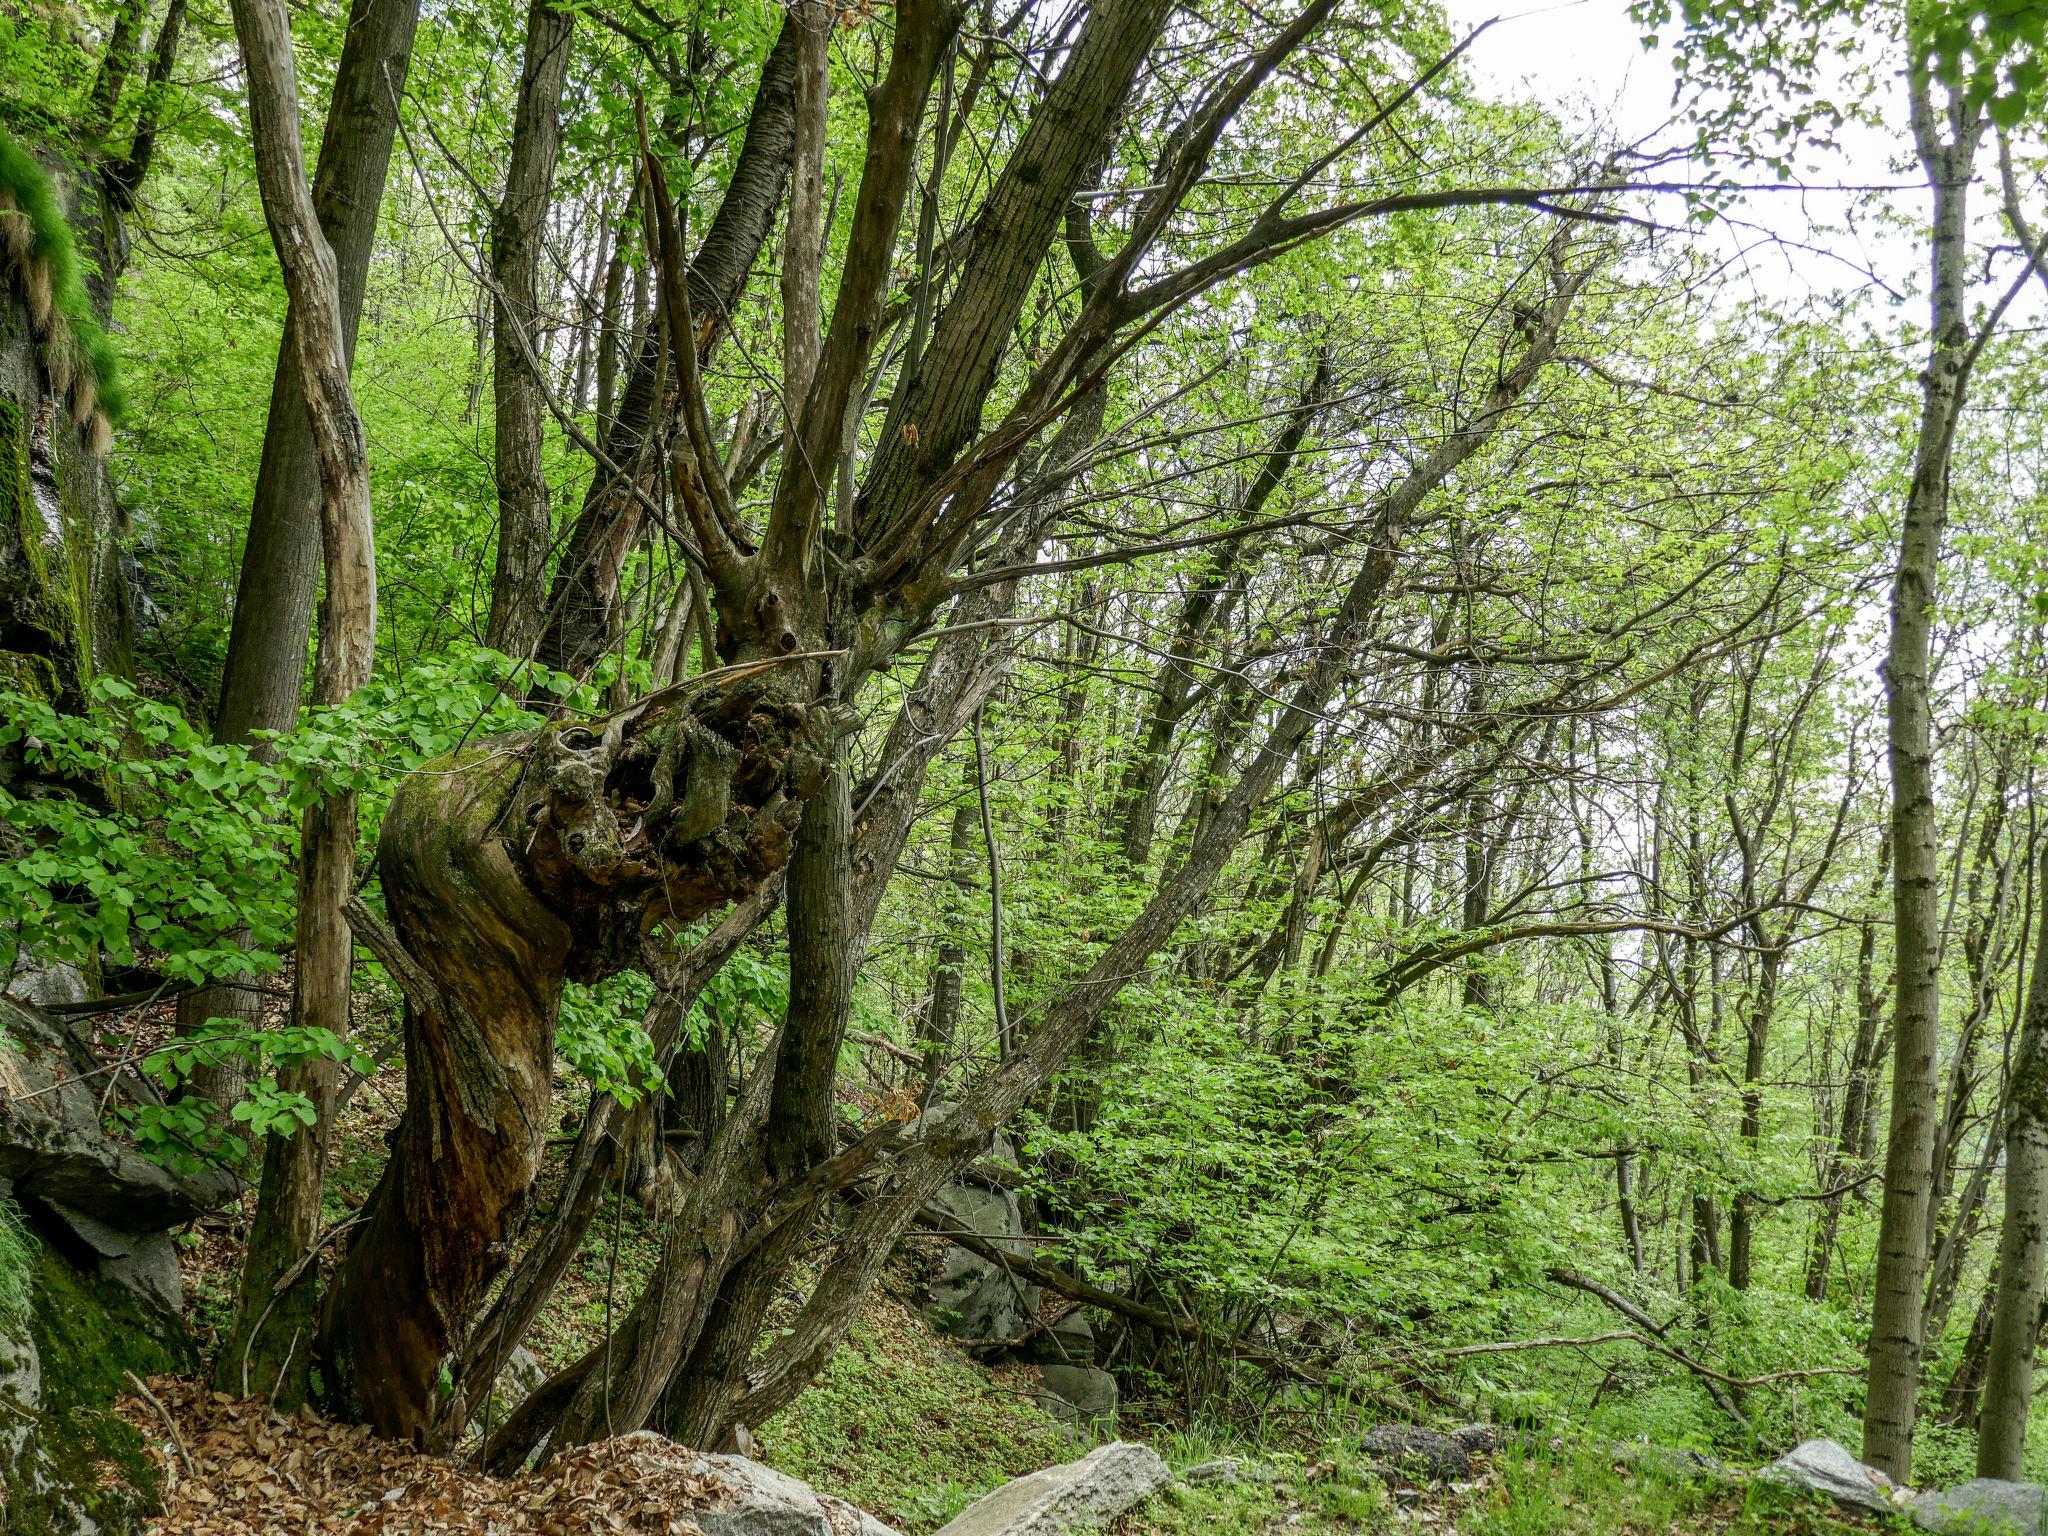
{"x": 2022, "y": 1241}
{"x": 1890, "y": 1403}
{"x": 586, "y": 581}
{"x": 518, "y": 398}
{"x": 280, "y": 576}
{"x": 278, "y": 1283}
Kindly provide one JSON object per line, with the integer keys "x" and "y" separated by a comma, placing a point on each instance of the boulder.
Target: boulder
{"x": 748, "y": 1499}
{"x": 1406, "y": 1454}
{"x": 1070, "y": 1341}
{"x": 106, "y": 1203}
{"x": 68, "y": 1465}
{"x": 1823, "y": 1466}
{"x": 1223, "y": 1470}
{"x": 847, "y": 1520}
{"x": 1079, "y": 1394}
{"x": 1090, "y": 1492}
{"x": 1984, "y": 1506}
{"x": 973, "y": 1298}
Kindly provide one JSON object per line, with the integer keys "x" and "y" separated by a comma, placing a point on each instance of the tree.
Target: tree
{"x": 277, "y": 1288}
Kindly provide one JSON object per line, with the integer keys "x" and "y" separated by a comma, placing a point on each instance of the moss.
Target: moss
{"x": 52, "y": 243}
{"x": 89, "y": 1334}
{"x": 901, "y": 1424}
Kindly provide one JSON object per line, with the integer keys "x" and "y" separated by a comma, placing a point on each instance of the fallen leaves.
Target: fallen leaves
{"x": 255, "y": 1472}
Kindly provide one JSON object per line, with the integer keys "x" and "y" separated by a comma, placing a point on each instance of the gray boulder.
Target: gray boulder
{"x": 1079, "y": 1394}
{"x": 1207, "y": 1474}
{"x": 847, "y": 1520}
{"x": 973, "y": 1298}
{"x": 1070, "y": 1341}
{"x": 752, "y": 1500}
{"x": 112, "y": 1204}
{"x": 1403, "y": 1453}
{"x": 1090, "y": 1492}
{"x": 1984, "y": 1506}
{"x": 1823, "y": 1466}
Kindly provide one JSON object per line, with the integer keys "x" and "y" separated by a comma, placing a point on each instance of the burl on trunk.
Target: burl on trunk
{"x": 507, "y": 868}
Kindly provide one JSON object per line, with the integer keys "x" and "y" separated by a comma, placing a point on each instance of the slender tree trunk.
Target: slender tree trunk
{"x": 279, "y": 1283}
{"x": 1895, "y": 1341}
{"x": 518, "y": 397}
{"x": 2022, "y": 1241}
{"x": 280, "y": 576}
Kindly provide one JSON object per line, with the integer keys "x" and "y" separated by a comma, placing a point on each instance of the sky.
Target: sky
{"x": 1585, "y": 59}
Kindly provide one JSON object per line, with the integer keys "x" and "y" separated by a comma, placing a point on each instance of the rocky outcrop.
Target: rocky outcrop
{"x": 1078, "y": 1394}
{"x": 1080, "y": 1494}
{"x": 104, "y": 1294}
{"x": 68, "y": 1465}
{"x": 107, "y": 1209}
{"x": 745, "y": 1498}
{"x": 1984, "y": 1506}
{"x": 1823, "y": 1466}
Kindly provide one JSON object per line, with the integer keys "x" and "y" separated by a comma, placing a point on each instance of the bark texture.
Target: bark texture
{"x": 525, "y": 521}
{"x": 2022, "y": 1242}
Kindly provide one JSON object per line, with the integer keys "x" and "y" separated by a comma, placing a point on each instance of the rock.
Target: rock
{"x": 1822, "y": 1466}
{"x": 1984, "y": 1506}
{"x": 1070, "y": 1341}
{"x": 1224, "y": 1469}
{"x": 1079, "y": 1394}
{"x": 1408, "y": 1454}
{"x": 1090, "y": 1492}
{"x": 68, "y": 1465}
{"x": 973, "y": 1298}
{"x": 753, "y": 1500}
{"x": 518, "y": 1379}
{"x": 63, "y": 1166}
{"x": 850, "y": 1521}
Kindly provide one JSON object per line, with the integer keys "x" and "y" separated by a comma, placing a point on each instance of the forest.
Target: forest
{"x": 769, "y": 763}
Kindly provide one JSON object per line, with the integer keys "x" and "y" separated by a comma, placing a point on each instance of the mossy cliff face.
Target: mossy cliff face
{"x": 68, "y": 1465}
{"x": 64, "y": 609}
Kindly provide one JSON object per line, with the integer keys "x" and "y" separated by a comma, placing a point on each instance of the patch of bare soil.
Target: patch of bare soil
{"x": 234, "y": 1467}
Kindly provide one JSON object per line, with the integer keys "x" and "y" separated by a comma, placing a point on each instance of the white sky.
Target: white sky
{"x": 1585, "y": 59}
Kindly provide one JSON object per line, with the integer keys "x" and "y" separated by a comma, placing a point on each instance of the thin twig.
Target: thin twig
{"x": 170, "y": 1423}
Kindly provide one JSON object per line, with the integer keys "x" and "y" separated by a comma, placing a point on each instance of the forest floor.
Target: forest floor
{"x": 906, "y": 1427}
{"x": 900, "y": 1423}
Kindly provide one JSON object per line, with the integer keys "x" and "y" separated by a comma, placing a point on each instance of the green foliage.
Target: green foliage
{"x": 183, "y": 1131}
{"x": 177, "y": 841}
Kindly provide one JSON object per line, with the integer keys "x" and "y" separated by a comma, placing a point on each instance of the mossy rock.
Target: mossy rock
{"x": 80, "y": 1467}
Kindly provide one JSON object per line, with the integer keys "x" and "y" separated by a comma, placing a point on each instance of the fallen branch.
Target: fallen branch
{"x": 170, "y": 1423}
{"x": 1110, "y": 1301}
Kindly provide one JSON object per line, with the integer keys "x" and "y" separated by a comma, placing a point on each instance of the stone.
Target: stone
{"x": 57, "y": 1155}
{"x": 1090, "y": 1492}
{"x": 753, "y": 1500}
{"x": 1823, "y": 1466}
{"x": 847, "y": 1520}
{"x": 1079, "y": 1394}
{"x": 1223, "y": 1470}
{"x": 1984, "y": 1506}
{"x": 1405, "y": 1453}
{"x": 1070, "y": 1341}
{"x": 518, "y": 1379}
{"x": 973, "y": 1298}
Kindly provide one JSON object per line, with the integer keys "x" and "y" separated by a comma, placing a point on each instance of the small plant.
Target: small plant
{"x": 17, "y": 1266}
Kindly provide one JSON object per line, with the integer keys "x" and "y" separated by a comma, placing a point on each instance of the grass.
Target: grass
{"x": 1563, "y": 1491}
{"x": 904, "y": 1426}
